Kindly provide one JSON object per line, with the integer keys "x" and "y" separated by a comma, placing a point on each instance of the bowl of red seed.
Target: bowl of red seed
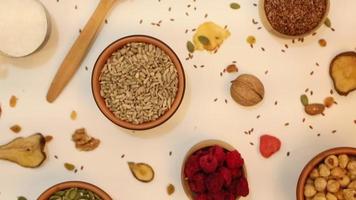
{"x": 293, "y": 19}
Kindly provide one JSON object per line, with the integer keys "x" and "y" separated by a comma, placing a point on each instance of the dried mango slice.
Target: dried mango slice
{"x": 209, "y": 36}
{"x": 343, "y": 72}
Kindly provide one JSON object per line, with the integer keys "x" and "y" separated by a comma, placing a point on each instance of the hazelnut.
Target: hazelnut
{"x": 309, "y": 190}
{"x": 247, "y": 90}
{"x": 344, "y": 181}
{"x": 324, "y": 171}
{"x": 320, "y": 184}
{"x": 349, "y": 194}
{"x": 332, "y": 161}
{"x": 319, "y": 196}
{"x": 330, "y": 196}
{"x": 314, "y": 174}
{"x": 343, "y": 160}
{"x": 333, "y": 186}
{"x": 352, "y": 185}
{"x": 338, "y": 172}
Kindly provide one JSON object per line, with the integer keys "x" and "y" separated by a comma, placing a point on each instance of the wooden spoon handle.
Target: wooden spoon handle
{"x": 79, "y": 50}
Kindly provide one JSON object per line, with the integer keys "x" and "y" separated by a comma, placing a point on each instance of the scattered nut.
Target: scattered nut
{"x": 314, "y": 109}
{"x": 343, "y": 160}
{"x": 16, "y": 128}
{"x": 13, "y": 101}
{"x": 247, "y": 90}
{"x": 231, "y": 68}
{"x": 83, "y": 141}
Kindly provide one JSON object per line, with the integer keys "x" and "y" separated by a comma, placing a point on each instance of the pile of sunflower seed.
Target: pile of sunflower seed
{"x": 139, "y": 83}
{"x": 74, "y": 194}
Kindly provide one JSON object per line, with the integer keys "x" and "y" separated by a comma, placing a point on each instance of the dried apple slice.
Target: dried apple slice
{"x": 343, "y": 72}
{"x": 27, "y": 152}
{"x": 142, "y": 171}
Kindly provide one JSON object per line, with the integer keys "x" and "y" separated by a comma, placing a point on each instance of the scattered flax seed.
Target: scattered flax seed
{"x": 266, "y": 72}
{"x": 254, "y": 21}
{"x": 258, "y": 116}
{"x": 186, "y": 31}
{"x": 317, "y": 64}
{"x": 172, "y": 20}
{"x": 170, "y": 153}
{"x": 263, "y": 49}
{"x": 355, "y": 121}
{"x": 332, "y": 29}
{"x": 306, "y": 90}
{"x": 311, "y": 73}
{"x": 188, "y": 6}
{"x": 16, "y": 128}
{"x": 303, "y": 120}
{"x": 73, "y": 115}
{"x": 276, "y": 103}
{"x": 69, "y": 166}
{"x": 311, "y": 127}
{"x": 75, "y": 171}
{"x": 123, "y": 156}
{"x": 13, "y": 101}
{"x": 0, "y": 110}
{"x": 288, "y": 154}
{"x": 48, "y": 138}
{"x": 55, "y": 156}
{"x": 170, "y": 9}
{"x": 80, "y": 30}
{"x": 221, "y": 74}
{"x": 254, "y": 4}
{"x": 282, "y": 50}
{"x": 322, "y": 42}
{"x": 170, "y": 189}
{"x": 311, "y": 92}
{"x": 259, "y": 28}
{"x": 202, "y": 66}
{"x": 141, "y": 21}
{"x": 106, "y": 21}
{"x": 206, "y": 15}
{"x": 86, "y": 68}
{"x": 195, "y": 66}
{"x": 81, "y": 167}
{"x": 286, "y": 124}
{"x": 251, "y": 143}
{"x": 216, "y": 99}
{"x": 186, "y": 13}
{"x": 226, "y": 101}
{"x": 76, "y": 7}
{"x": 234, "y": 61}
{"x": 318, "y": 135}
{"x": 334, "y": 131}
{"x": 286, "y": 46}
{"x": 331, "y": 92}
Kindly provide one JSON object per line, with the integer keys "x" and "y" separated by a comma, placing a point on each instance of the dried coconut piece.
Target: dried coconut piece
{"x": 13, "y": 101}
{"x": 83, "y": 141}
{"x": 16, "y": 128}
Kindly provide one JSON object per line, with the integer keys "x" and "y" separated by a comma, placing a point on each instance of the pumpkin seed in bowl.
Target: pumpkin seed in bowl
{"x": 74, "y": 194}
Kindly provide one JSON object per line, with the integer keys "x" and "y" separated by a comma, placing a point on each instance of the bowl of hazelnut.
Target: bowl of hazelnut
{"x": 331, "y": 175}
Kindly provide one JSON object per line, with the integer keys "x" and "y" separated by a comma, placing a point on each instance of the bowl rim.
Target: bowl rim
{"x": 269, "y": 28}
{"x": 114, "y": 46}
{"x": 315, "y": 161}
{"x": 74, "y": 184}
{"x": 201, "y": 145}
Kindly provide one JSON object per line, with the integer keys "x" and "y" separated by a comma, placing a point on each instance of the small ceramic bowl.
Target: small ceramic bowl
{"x": 317, "y": 160}
{"x": 74, "y": 184}
{"x": 268, "y": 26}
{"x": 195, "y": 148}
{"x": 100, "y": 63}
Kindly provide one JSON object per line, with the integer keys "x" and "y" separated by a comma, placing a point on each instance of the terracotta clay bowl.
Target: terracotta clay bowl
{"x": 100, "y": 63}
{"x": 316, "y": 161}
{"x": 268, "y": 26}
{"x": 195, "y": 148}
{"x": 74, "y": 184}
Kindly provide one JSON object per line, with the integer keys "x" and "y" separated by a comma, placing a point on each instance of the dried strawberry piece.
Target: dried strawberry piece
{"x": 214, "y": 182}
{"x": 197, "y": 183}
{"x": 269, "y": 145}
{"x": 242, "y": 187}
{"x": 208, "y": 163}
{"x": 201, "y": 197}
{"x": 192, "y": 166}
{"x": 234, "y": 160}
{"x": 219, "y": 153}
{"x": 226, "y": 174}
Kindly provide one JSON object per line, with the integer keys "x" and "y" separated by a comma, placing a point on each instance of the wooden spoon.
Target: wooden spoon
{"x": 79, "y": 50}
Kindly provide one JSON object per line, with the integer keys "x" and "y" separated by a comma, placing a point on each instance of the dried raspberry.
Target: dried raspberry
{"x": 226, "y": 174}
{"x": 269, "y": 145}
{"x": 197, "y": 183}
{"x": 232, "y": 188}
{"x": 216, "y": 196}
{"x": 242, "y": 187}
{"x": 192, "y": 166}
{"x": 214, "y": 182}
{"x": 234, "y": 160}
{"x": 219, "y": 153}
{"x": 236, "y": 173}
{"x": 229, "y": 196}
{"x": 201, "y": 197}
{"x": 208, "y": 163}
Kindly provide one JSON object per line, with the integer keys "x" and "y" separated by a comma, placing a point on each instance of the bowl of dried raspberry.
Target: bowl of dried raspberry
{"x": 213, "y": 169}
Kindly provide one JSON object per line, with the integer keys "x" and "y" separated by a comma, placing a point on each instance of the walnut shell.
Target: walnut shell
{"x": 247, "y": 90}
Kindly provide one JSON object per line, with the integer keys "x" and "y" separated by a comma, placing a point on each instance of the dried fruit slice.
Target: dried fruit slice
{"x": 269, "y": 145}
{"x": 142, "y": 171}
{"x": 27, "y": 152}
{"x": 343, "y": 72}
{"x": 209, "y": 36}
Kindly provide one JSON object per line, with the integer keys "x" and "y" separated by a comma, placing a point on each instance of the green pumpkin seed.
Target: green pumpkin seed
{"x": 327, "y": 22}
{"x": 71, "y": 193}
{"x": 69, "y": 166}
{"x": 304, "y": 99}
{"x": 190, "y": 47}
{"x": 21, "y": 198}
{"x": 55, "y": 197}
{"x": 235, "y": 6}
{"x": 204, "y": 40}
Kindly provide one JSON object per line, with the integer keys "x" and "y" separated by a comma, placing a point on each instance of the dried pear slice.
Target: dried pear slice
{"x": 343, "y": 72}
{"x": 27, "y": 152}
{"x": 142, "y": 171}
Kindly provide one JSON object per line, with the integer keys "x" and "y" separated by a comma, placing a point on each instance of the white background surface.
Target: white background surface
{"x": 198, "y": 118}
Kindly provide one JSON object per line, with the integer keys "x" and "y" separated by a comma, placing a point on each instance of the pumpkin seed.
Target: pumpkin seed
{"x": 71, "y": 193}
{"x": 304, "y": 99}
{"x": 327, "y": 22}
{"x": 21, "y": 198}
{"x": 204, "y": 40}
{"x": 74, "y": 194}
{"x": 55, "y": 197}
{"x": 235, "y": 6}
{"x": 69, "y": 166}
{"x": 190, "y": 47}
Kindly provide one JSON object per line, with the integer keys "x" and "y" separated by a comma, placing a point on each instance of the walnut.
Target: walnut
{"x": 247, "y": 90}
{"x": 83, "y": 141}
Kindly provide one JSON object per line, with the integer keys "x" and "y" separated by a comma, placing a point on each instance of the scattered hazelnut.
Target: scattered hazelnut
{"x": 332, "y": 161}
